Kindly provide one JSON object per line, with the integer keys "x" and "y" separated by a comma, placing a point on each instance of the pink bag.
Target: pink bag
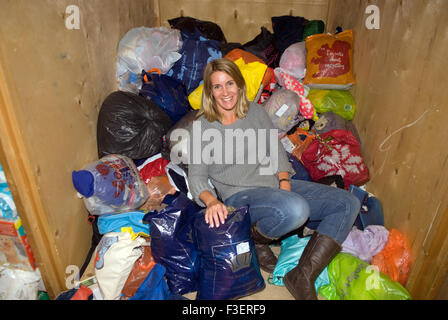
{"x": 336, "y": 152}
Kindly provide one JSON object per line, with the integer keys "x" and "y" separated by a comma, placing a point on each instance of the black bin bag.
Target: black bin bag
{"x": 130, "y": 125}
{"x": 172, "y": 245}
{"x": 229, "y": 267}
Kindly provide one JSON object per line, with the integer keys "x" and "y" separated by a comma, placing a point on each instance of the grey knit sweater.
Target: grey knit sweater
{"x": 235, "y": 157}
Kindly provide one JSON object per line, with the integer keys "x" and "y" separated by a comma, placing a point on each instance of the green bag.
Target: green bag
{"x": 313, "y": 27}
{"x": 340, "y": 102}
{"x": 354, "y": 279}
{"x": 290, "y": 252}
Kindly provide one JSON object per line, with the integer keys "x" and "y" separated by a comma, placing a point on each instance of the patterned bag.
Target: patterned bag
{"x": 336, "y": 152}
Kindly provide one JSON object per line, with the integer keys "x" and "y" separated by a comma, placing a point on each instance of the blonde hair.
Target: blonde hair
{"x": 208, "y": 104}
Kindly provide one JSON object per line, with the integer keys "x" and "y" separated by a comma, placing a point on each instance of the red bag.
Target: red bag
{"x": 336, "y": 152}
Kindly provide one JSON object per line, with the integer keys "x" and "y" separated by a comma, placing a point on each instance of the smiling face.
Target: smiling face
{"x": 224, "y": 91}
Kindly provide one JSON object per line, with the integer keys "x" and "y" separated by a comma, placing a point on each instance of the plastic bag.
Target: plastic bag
{"x": 7, "y": 206}
{"x": 340, "y": 102}
{"x": 143, "y": 49}
{"x": 158, "y": 188}
{"x": 287, "y": 30}
{"x": 115, "y": 256}
{"x": 353, "y": 279}
{"x": 364, "y": 244}
{"x": 336, "y": 152}
{"x": 301, "y": 173}
{"x": 332, "y": 121}
{"x": 139, "y": 272}
{"x": 130, "y": 125}
{"x": 197, "y": 52}
{"x": 16, "y": 284}
{"x": 111, "y": 184}
{"x": 120, "y": 222}
{"x": 283, "y": 109}
{"x": 293, "y": 60}
{"x": 264, "y": 47}
{"x": 248, "y": 57}
{"x": 290, "y": 253}
{"x": 329, "y": 62}
{"x": 395, "y": 258}
{"x": 152, "y": 167}
{"x": 253, "y": 73}
{"x": 154, "y": 287}
{"x": 313, "y": 27}
{"x": 178, "y": 179}
{"x": 297, "y": 142}
{"x": 229, "y": 267}
{"x": 172, "y": 243}
{"x": 208, "y": 29}
{"x": 292, "y": 84}
{"x": 168, "y": 93}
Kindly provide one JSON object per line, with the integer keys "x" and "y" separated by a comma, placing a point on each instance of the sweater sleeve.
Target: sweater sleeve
{"x": 266, "y": 122}
{"x": 198, "y": 181}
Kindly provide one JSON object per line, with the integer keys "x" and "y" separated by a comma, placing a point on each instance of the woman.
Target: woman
{"x": 277, "y": 205}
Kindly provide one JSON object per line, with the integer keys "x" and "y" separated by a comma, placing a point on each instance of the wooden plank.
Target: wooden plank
{"x": 22, "y": 184}
{"x": 401, "y": 120}
{"x": 54, "y": 83}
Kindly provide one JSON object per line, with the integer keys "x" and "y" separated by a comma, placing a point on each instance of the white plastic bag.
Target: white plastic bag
{"x": 283, "y": 109}
{"x": 16, "y": 284}
{"x": 115, "y": 257}
{"x": 144, "y": 49}
{"x": 293, "y": 60}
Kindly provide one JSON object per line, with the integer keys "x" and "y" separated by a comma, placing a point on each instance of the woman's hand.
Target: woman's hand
{"x": 215, "y": 213}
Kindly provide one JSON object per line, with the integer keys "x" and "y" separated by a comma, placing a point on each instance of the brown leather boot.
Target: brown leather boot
{"x": 318, "y": 253}
{"x": 266, "y": 258}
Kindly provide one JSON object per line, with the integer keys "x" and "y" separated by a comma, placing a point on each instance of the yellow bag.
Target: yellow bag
{"x": 253, "y": 74}
{"x": 329, "y": 61}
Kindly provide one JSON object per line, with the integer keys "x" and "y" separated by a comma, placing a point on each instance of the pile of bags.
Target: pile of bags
{"x": 150, "y": 238}
{"x": 20, "y": 278}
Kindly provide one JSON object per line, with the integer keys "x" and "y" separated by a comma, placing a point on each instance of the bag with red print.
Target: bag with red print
{"x": 336, "y": 152}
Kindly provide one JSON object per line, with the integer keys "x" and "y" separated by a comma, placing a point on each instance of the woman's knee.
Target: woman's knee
{"x": 298, "y": 211}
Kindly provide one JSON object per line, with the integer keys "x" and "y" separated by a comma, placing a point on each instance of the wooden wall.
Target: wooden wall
{"x": 400, "y": 72}
{"x": 52, "y": 83}
{"x": 241, "y": 20}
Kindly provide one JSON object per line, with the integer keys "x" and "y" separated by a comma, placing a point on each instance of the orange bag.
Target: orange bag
{"x": 158, "y": 188}
{"x": 297, "y": 142}
{"x": 248, "y": 57}
{"x": 395, "y": 258}
{"x": 139, "y": 272}
{"x": 329, "y": 61}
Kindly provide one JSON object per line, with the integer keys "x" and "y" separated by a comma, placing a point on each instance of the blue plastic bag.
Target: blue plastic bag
{"x": 113, "y": 222}
{"x": 171, "y": 242}
{"x": 290, "y": 253}
{"x": 154, "y": 287}
{"x": 7, "y": 206}
{"x": 197, "y": 52}
{"x": 229, "y": 267}
{"x": 168, "y": 93}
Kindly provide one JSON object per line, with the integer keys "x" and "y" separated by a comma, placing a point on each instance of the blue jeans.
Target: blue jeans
{"x": 278, "y": 212}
